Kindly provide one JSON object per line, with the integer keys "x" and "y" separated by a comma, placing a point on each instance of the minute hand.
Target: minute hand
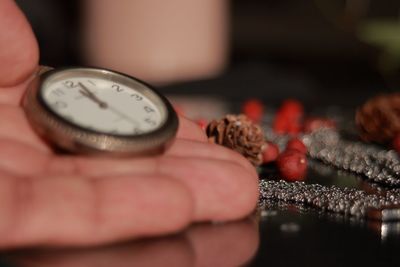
{"x": 86, "y": 92}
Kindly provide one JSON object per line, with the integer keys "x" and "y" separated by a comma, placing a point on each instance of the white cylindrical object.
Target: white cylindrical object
{"x": 160, "y": 41}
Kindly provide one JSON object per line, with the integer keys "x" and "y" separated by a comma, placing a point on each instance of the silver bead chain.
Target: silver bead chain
{"x": 346, "y": 201}
{"x": 371, "y": 162}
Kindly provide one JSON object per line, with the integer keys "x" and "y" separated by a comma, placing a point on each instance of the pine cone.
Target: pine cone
{"x": 238, "y": 133}
{"x": 379, "y": 118}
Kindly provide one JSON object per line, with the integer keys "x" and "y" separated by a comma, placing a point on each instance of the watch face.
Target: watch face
{"x": 103, "y": 101}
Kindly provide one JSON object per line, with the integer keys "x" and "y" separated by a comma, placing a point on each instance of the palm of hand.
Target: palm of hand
{"x": 50, "y": 199}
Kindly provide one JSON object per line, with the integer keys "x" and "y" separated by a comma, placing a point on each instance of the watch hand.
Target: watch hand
{"x": 86, "y": 92}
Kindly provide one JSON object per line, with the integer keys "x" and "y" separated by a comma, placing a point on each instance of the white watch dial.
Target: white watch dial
{"x": 103, "y": 105}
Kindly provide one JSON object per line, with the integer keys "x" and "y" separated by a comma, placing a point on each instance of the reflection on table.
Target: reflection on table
{"x": 230, "y": 244}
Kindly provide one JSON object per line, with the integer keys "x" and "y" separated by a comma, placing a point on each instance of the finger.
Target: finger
{"x": 232, "y": 244}
{"x": 190, "y": 130}
{"x": 18, "y": 48}
{"x": 189, "y": 148}
{"x": 75, "y": 211}
{"x": 21, "y": 159}
{"x": 172, "y": 251}
{"x": 93, "y": 166}
{"x": 222, "y": 190}
{"x": 13, "y": 95}
{"x": 181, "y": 148}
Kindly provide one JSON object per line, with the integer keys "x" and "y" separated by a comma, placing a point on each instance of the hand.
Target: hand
{"x": 50, "y": 199}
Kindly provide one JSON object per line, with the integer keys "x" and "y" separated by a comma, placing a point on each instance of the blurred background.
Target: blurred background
{"x": 330, "y": 54}
{"x": 322, "y": 52}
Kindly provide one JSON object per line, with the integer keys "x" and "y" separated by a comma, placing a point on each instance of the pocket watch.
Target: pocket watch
{"x": 99, "y": 111}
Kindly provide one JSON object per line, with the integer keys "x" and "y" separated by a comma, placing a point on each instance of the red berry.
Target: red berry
{"x": 396, "y": 143}
{"x": 270, "y": 153}
{"x": 313, "y": 124}
{"x": 297, "y": 144}
{"x": 280, "y": 125}
{"x": 294, "y": 128}
{"x": 288, "y": 117}
{"x": 292, "y": 165}
{"x": 253, "y": 109}
{"x": 202, "y": 123}
{"x": 292, "y": 108}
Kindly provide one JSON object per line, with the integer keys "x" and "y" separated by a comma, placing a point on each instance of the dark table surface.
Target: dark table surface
{"x": 277, "y": 236}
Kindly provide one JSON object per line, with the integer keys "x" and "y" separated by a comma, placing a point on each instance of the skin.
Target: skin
{"x": 48, "y": 199}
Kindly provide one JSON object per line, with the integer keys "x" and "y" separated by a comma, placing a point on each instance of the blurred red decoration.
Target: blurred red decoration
{"x": 297, "y": 144}
{"x": 294, "y": 128}
{"x": 202, "y": 123}
{"x": 288, "y": 117}
{"x": 396, "y": 143}
{"x": 292, "y": 165}
{"x": 270, "y": 152}
{"x": 253, "y": 109}
{"x": 292, "y": 108}
{"x": 280, "y": 124}
{"x": 315, "y": 123}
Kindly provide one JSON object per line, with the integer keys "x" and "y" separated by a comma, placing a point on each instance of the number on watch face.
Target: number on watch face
{"x": 102, "y": 105}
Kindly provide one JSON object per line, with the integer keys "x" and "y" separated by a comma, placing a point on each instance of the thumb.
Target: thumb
{"x": 18, "y": 47}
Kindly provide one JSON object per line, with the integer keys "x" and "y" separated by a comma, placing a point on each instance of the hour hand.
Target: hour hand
{"x": 87, "y": 93}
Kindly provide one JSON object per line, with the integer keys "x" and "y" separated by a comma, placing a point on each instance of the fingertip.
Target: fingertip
{"x": 192, "y": 148}
{"x": 190, "y": 130}
{"x": 179, "y": 211}
{"x": 223, "y": 190}
{"x": 242, "y": 194}
{"x": 239, "y": 158}
{"x": 19, "y": 52}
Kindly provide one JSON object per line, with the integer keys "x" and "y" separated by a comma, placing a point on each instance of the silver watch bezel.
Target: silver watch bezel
{"x": 76, "y": 139}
